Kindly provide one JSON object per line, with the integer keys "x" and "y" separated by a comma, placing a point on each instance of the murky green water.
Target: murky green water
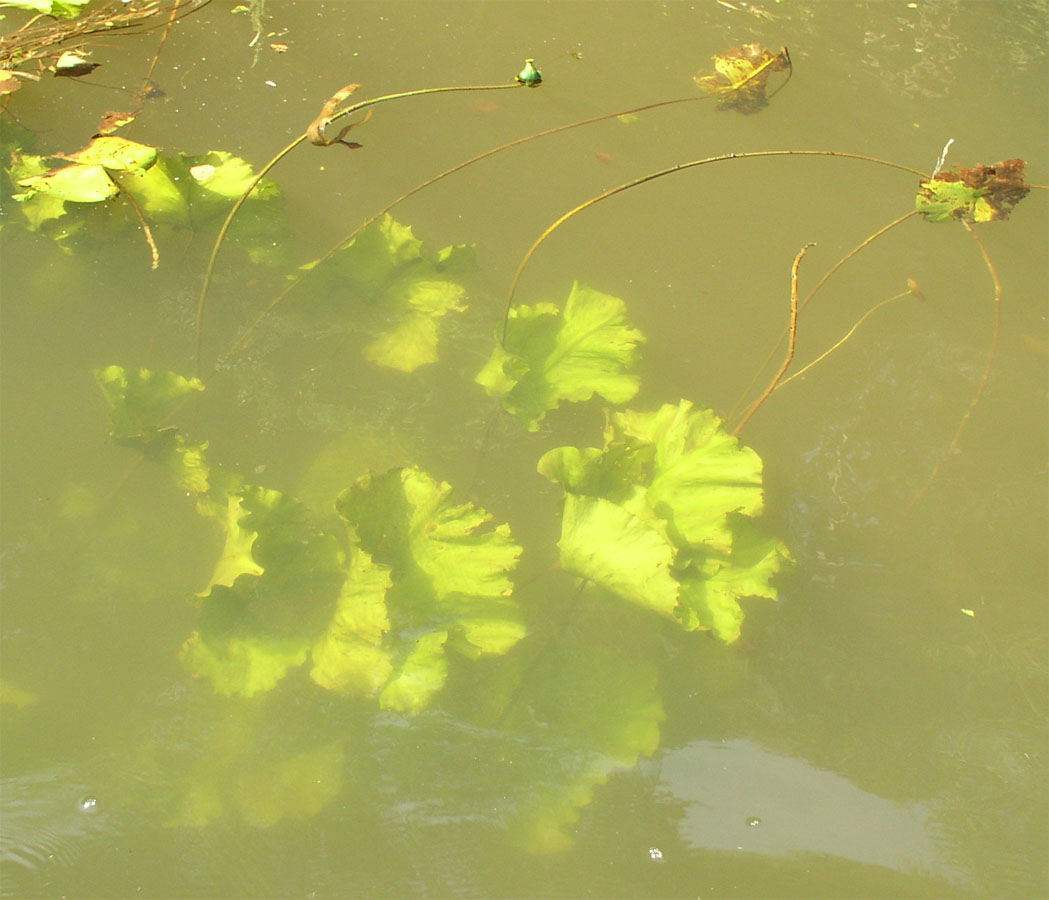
{"x": 879, "y": 731}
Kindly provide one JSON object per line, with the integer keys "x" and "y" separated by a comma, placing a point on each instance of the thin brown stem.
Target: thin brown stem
{"x": 680, "y": 167}
{"x": 142, "y": 221}
{"x": 241, "y": 341}
{"x": 870, "y": 312}
{"x": 220, "y": 237}
{"x": 819, "y": 284}
{"x": 793, "y": 329}
{"x": 163, "y": 39}
{"x": 981, "y": 388}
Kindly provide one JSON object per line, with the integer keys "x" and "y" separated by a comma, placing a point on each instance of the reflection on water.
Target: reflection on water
{"x": 739, "y": 796}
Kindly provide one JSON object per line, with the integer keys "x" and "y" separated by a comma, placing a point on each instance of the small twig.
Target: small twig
{"x": 790, "y": 345}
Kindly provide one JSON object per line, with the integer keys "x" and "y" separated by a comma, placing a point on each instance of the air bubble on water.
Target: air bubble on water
{"x": 88, "y": 805}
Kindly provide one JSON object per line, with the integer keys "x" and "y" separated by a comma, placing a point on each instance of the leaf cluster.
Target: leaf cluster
{"x": 663, "y": 517}
{"x": 979, "y": 193}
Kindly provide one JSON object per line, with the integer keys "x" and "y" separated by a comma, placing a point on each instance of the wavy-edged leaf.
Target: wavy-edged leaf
{"x": 549, "y": 357}
{"x": 273, "y": 592}
{"x": 662, "y": 517}
{"x": 384, "y": 276}
{"x": 449, "y": 588}
{"x": 242, "y": 664}
{"x": 700, "y": 473}
{"x": 350, "y": 657}
{"x": 139, "y": 398}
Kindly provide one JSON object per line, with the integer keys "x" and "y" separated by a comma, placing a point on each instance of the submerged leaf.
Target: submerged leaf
{"x": 429, "y": 577}
{"x": 977, "y": 194}
{"x": 243, "y": 665}
{"x": 584, "y": 712}
{"x": 406, "y": 292}
{"x": 140, "y": 398}
{"x": 294, "y": 788}
{"x": 741, "y": 76}
{"x": 548, "y": 357}
{"x": 661, "y": 517}
{"x": 350, "y": 657}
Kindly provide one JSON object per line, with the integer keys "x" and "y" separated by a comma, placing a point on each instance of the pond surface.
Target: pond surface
{"x": 879, "y": 730}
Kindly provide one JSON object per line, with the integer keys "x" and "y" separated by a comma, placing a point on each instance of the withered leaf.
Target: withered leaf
{"x": 977, "y": 193}
{"x": 741, "y": 76}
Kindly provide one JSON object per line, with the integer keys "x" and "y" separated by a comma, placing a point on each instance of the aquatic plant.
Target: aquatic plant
{"x": 397, "y": 587}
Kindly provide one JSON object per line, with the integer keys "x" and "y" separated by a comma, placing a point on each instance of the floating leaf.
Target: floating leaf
{"x": 37, "y": 207}
{"x": 113, "y": 119}
{"x": 741, "y": 76}
{"x": 116, "y": 153}
{"x": 58, "y": 9}
{"x": 661, "y": 517}
{"x": 548, "y": 357}
{"x": 71, "y": 64}
{"x": 170, "y": 193}
{"x": 384, "y": 273}
{"x": 77, "y": 184}
{"x": 977, "y": 194}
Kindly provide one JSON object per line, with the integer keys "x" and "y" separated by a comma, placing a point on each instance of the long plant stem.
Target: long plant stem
{"x": 870, "y": 312}
{"x": 242, "y": 340}
{"x": 680, "y": 167}
{"x": 981, "y": 388}
{"x": 220, "y": 237}
{"x": 819, "y": 284}
{"x": 793, "y": 330}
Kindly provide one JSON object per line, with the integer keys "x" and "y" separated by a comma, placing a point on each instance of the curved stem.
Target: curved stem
{"x": 819, "y": 284}
{"x": 793, "y": 328}
{"x": 220, "y": 237}
{"x": 242, "y": 340}
{"x": 198, "y": 326}
{"x": 680, "y": 167}
{"x": 870, "y": 312}
{"x": 981, "y": 388}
